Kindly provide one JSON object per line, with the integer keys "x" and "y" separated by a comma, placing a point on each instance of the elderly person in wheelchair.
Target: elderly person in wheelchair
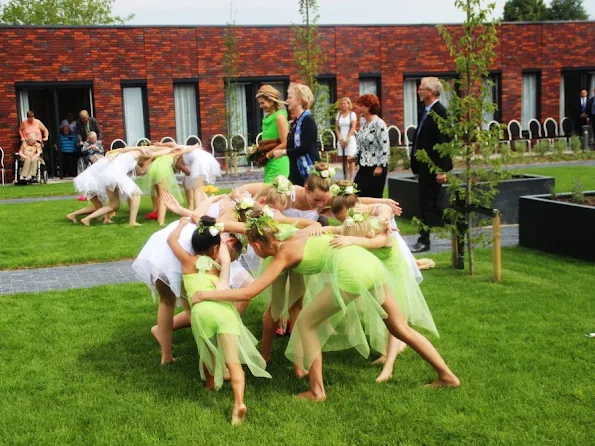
{"x": 92, "y": 149}
{"x": 30, "y": 156}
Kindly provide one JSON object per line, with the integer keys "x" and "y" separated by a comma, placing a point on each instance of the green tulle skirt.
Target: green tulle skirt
{"x": 220, "y": 335}
{"x": 342, "y": 307}
{"x": 161, "y": 173}
{"x": 283, "y": 293}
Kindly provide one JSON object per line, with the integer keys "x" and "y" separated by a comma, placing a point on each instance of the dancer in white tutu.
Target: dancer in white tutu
{"x": 115, "y": 180}
{"x": 87, "y": 184}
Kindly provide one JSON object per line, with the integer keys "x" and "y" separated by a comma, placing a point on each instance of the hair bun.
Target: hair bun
{"x": 320, "y": 166}
{"x": 207, "y": 220}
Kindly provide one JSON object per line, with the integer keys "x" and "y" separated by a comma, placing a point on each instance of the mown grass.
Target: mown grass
{"x": 565, "y": 176}
{"x": 79, "y": 367}
{"x": 36, "y": 190}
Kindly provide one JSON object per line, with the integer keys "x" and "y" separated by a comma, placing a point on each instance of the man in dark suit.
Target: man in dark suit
{"x": 583, "y": 116}
{"x": 591, "y": 111}
{"x": 85, "y": 125}
{"x": 427, "y": 136}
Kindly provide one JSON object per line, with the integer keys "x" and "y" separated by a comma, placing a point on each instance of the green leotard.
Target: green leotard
{"x": 279, "y": 166}
{"x": 220, "y": 335}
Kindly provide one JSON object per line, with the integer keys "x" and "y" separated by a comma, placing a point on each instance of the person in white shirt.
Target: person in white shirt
{"x": 345, "y": 124}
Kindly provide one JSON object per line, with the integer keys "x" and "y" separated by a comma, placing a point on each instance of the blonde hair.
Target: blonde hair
{"x": 361, "y": 229}
{"x": 272, "y": 196}
{"x": 271, "y": 94}
{"x": 347, "y": 101}
{"x": 84, "y": 114}
{"x": 263, "y": 231}
{"x": 318, "y": 182}
{"x": 303, "y": 93}
{"x": 344, "y": 201}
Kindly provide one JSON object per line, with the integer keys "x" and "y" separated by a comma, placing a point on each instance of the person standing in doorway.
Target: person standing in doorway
{"x": 85, "y": 125}
{"x": 427, "y": 137}
{"x": 32, "y": 125}
{"x": 591, "y": 112}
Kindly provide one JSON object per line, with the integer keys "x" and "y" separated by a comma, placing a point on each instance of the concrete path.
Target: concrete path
{"x": 86, "y": 276}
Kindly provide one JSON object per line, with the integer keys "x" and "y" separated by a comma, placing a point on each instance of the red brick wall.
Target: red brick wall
{"x": 159, "y": 55}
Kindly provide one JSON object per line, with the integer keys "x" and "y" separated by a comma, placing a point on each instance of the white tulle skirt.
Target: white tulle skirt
{"x": 89, "y": 184}
{"x": 407, "y": 253}
{"x": 203, "y": 166}
{"x": 115, "y": 175}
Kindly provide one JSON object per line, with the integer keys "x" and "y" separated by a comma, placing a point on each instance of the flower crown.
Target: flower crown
{"x": 283, "y": 185}
{"x": 244, "y": 203}
{"x": 327, "y": 173}
{"x": 355, "y": 216}
{"x": 214, "y": 230}
{"x": 266, "y": 219}
{"x": 337, "y": 190}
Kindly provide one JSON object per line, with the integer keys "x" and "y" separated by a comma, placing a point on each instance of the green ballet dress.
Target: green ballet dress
{"x": 279, "y": 166}
{"x": 288, "y": 288}
{"x": 344, "y": 303}
{"x": 220, "y": 335}
{"x": 162, "y": 170}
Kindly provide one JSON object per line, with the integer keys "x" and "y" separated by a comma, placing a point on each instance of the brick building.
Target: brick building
{"x": 168, "y": 81}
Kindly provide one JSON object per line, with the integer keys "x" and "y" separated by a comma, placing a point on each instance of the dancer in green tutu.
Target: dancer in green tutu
{"x": 223, "y": 342}
{"x": 354, "y": 281}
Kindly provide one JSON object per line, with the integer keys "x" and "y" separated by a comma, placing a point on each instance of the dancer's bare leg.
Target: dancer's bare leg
{"x": 161, "y": 208}
{"x": 269, "y": 327}
{"x": 134, "y": 203}
{"x": 199, "y": 194}
{"x": 351, "y": 168}
{"x": 88, "y": 210}
{"x": 398, "y": 327}
{"x": 238, "y": 380}
{"x": 112, "y": 206}
{"x": 163, "y": 331}
{"x": 294, "y": 312}
{"x": 393, "y": 348}
{"x": 189, "y": 193}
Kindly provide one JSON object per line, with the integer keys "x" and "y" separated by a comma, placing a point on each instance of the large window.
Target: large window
{"x": 493, "y": 96}
{"x": 245, "y": 113}
{"x": 413, "y": 108}
{"x": 135, "y": 113}
{"x": 369, "y": 84}
{"x": 530, "y": 105}
{"x": 186, "y": 108}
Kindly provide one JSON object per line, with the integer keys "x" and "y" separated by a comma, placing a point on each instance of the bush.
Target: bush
{"x": 560, "y": 147}
{"x": 576, "y": 144}
{"x": 542, "y": 147}
{"x": 398, "y": 157}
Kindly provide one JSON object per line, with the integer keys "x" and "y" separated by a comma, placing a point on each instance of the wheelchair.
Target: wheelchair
{"x": 82, "y": 164}
{"x": 42, "y": 171}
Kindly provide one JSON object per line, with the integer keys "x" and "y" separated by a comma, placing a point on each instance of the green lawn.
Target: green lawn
{"x": 36, "y": 190}
{"x": 565, "y": 176}
{"x": 79, "y": 367}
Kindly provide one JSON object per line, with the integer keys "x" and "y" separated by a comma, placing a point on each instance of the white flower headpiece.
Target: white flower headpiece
{"x": 244, "y": 203}
{"x": 326, "y": 173}
{"x": 216, "y": 229}
{"x": 337, "y": 190}
{"x": 266, "y": 210}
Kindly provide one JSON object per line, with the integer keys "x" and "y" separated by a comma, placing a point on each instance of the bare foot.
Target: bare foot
{"x": 210, "y": 384}
{"x": 72, "y": 218}
{"x": 310, "y": 395}
{"x": 449, "y": 381}
{"x": 238, "y": 414}
{"x": 380, "y": 360}
{"x": 384, "y": 376}
{"x": 107, "y": 222}
{"x": 165, "y": 360}
{"x": 85, "y": 222}
{"x": 134, "y": 224}
{"x": 299, "y": 372}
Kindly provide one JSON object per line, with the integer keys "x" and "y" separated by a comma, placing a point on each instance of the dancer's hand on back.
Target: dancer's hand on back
{"x": 394, "y": 206}
{"x": 183, "y": 221}
{"x": 315, "y": 230}
{"x": 341, "y": 241}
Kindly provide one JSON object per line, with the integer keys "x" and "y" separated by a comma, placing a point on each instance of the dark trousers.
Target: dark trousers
{"x": 430, "y": 207}
{"x": 69, "y": 164}
{"x": 368, "y": 184}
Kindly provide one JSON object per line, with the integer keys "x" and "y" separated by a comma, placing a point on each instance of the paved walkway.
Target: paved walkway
{"x": 86, "y": 276}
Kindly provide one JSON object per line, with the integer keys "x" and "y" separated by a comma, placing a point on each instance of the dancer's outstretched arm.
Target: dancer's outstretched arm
{"x": 379, "y": 241}
{"x": 275, "y": 268}
{"x": 186, "y": 259}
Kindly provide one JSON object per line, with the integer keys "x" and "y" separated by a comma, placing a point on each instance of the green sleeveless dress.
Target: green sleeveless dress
{"x": 288, "y": 288}
{"x": 279, "y": 166}
{"x": 217, "y": 327}
{"x": 343, "y": 303}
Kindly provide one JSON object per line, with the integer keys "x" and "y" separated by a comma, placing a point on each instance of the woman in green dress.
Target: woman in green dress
{"x": 356, "y": 286}
{"x": 274, "y": 128}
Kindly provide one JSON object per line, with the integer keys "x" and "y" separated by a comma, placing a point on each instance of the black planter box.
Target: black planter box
{"x": 404, "y": 190}
{"x": 557, "y": 227}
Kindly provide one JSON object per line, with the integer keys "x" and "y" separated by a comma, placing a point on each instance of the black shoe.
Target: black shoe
{"x": 420, "y": 247}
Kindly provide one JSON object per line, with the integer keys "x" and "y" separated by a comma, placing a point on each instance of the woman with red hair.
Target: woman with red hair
{"x": 372, "y": 148}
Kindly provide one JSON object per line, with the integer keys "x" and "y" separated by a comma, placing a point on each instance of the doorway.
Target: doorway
{"x": 51, "y": 104}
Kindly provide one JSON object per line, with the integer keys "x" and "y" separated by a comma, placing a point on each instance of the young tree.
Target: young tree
{"x": 60, "y": 12}
{"x": 309, "y": 58}
{"x": 525, "y": 11}
{"x": 568, "y": 10}
{"x": 473, "y": 48}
